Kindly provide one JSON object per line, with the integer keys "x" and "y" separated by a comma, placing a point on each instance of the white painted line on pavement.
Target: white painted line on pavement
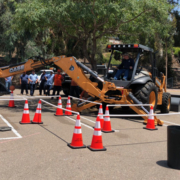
{"x": 81, "y": 122}
{"x": 88, "y": 119}
{"x": 15, "y": 132}
{"x": 171, "y": 123}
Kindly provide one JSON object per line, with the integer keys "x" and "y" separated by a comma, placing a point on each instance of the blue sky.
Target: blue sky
{"x": 178, "y": 7}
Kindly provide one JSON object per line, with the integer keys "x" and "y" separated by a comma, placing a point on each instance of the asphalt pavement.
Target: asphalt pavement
{"x": 40, "y": 152}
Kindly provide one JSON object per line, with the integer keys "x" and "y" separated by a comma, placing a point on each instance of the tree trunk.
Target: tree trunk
{"x": 91, "y": 56}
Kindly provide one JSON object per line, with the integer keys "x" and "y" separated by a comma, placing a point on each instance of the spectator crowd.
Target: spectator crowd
{"x": 47, "y": 82}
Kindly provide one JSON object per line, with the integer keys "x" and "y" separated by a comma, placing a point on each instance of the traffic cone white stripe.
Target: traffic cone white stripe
{"x": 59, "y": 105}
{"x": 106, "y": 112}
{"x": 97, "y": 133}
{"x": 100, "y": 111}
{"x": 26, "y": 111}
{"x": 38, "y": 111}
{"x": 78, "y": 123}
{"x": 26, "y": 106}
{"x": 68, "y": 106}
{"x": 77, "y": 131}
{"x": 39, "y": 105}
{"x": 11, "y": 97}
{"x": 106, "y": 118}
{"x": 100, "y": 116}
{"x": 151, "y": 117}
{"x": 98, "y": 125}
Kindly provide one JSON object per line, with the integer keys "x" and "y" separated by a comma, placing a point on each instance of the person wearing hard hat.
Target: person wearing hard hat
{"x": 126, "y": 65}
{"x": 24, "y": 83}
{"x": 58, "y": 78}
{"x": 49, "y": 82}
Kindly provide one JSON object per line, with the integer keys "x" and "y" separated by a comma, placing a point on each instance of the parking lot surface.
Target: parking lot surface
{"x": 40, "y": 151}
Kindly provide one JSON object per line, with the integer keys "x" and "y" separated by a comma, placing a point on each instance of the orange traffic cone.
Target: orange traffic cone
{"x": 37, "y": 116}
{"x": 100, "y": 113}
{"x": 68, "y": 107}
{"x": 96, "y": 144}
{"x": 77, "y": 141}
{"x": 25, "y": 116}
{"x": 11, "y": 102}
{"x": 150, "y": 122}
{"x": 59, "y": 111}
{"x": 107, "y": 123}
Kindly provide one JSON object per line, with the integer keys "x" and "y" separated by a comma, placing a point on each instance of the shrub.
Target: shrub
{"x": 176, "y": 51}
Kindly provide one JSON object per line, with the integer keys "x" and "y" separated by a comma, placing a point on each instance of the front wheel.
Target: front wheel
{"x": 166, "y": 103}
{"x": 147, "y": 94}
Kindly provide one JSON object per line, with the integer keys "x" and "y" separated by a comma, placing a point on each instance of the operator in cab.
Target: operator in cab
{"x": 126, "y": 65}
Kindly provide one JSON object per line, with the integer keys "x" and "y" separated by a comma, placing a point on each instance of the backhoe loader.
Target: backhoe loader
{"x": 141, "y": 88}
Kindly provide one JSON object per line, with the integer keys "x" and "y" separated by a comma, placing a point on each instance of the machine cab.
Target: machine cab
{"x": 134, "y": 74}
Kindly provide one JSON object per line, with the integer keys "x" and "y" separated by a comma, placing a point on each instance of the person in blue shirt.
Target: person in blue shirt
{"x": 43, "y": 80}
{"x": 126, "y": 65}
{"x": 33, "y": 79}
{"x": 8, "y": 81}
{"x": 24, "y": 83}
{"x": 49, "y": 82}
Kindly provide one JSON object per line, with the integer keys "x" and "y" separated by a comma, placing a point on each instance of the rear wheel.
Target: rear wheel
{"x": 147, "y": 94}
{"x": 166, "y": 103}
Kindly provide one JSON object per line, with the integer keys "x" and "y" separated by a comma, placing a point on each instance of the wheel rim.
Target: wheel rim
{"x": 169, "y": 103}
{"x": 152, "y": 98}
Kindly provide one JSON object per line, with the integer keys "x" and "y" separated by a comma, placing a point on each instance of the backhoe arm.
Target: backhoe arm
{"x": 29, "y": 65}
{"x": 69, "y": 66}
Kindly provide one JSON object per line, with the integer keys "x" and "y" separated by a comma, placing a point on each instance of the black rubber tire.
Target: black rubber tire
{"x": 166, "y": 98}
{"x": 142, "y": 93}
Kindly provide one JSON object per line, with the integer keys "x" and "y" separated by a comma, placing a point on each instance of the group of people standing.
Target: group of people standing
{"x": 46, "y": 82}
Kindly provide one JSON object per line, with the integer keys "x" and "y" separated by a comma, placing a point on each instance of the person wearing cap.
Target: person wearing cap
{"x": 126, "y": 65}
{"x": 74, "y": 90}
{"x": 33, "y": 79}
{"x": 49, "y": 82}
{"x": 8, "y": 81}
{"x": 24, "y": 83}
{"x": 58, "y": 78}
{"x": 43, "y": 80}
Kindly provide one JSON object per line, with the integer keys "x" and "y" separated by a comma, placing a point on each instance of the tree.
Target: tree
{"x": 87, "y": 21}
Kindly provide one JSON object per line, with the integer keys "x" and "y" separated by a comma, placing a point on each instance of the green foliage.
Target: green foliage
{"x": 176, "y": 51}
{"x": 106, "y": 57}
{"x": 88, "y": 22}
{"x": 177, "y": 34}
{"x": 161, "y": 65}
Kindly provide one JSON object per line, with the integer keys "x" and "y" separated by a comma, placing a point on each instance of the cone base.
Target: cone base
{"x": 150, "y": 129}
{"x": 24, "y": 123}
{"x": 11, "y": 107}
{"x": 92, "y": 149}
{"x": 108, "y": 131}
{"x": 36, "y": 122}
{"x": 68, "y": 115}
{"x": 76, "y": 147}
{"x": 58, "y": 115}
